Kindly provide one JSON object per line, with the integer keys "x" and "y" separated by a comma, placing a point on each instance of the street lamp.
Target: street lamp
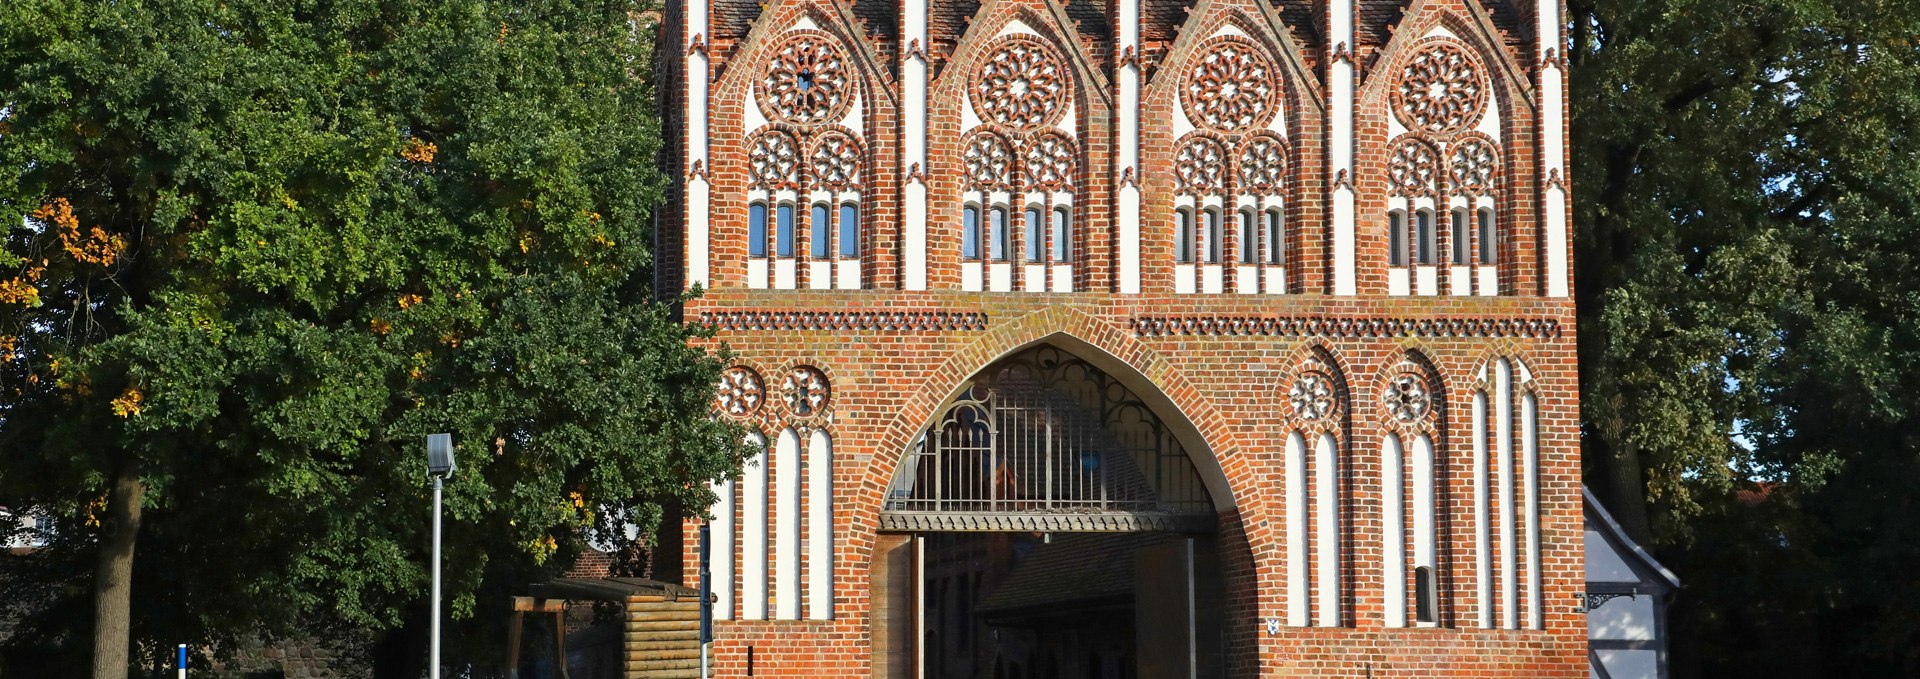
{"x": 439, "y": 467}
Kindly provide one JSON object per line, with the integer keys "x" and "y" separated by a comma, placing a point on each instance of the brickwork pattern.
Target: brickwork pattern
{"x": 1223, "y": 363}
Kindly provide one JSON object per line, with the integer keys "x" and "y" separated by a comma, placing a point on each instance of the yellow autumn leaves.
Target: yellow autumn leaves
{"x": 418, "y": 151}
{"x": 92, "y": 246}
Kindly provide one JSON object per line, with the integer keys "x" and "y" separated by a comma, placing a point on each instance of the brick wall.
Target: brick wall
{"x": 1223, "y": 361}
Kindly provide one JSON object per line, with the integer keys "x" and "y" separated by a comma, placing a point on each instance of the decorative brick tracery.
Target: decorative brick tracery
{"x": 807, "y": 80}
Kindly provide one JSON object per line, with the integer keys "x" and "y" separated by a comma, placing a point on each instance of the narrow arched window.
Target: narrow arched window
{"x": 1183, "y": 235}
{"x": 1249, "y": 236}
{"x": 1276, "y": 237}
{"x": 849, "y": 230}
{"x": 1486, "y": 236}
{"x": 1397, "y": 238}
{"x": 1423, "y": 230}
{"x": 1036, "y": 232}
{"x": 1062, "y": 226}
{"x": 1460, "y": 235}
{"x": 757, "y": 229}
{"x": 1426, "y": 607}
{"x": 1215, "y": 234}
{"x": 783, "y": 231}
{"x": 1001, "y": 235}
{"x": 821, "y": 243}
{"x": 970, "y": 232}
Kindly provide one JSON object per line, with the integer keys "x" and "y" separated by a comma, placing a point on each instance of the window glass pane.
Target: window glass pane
{"x": 1424, "y": 234}
{"x": 821, "y": 233}
{"x": 1486, "y": 237}
{"x": 1062, "y": 222}
{"x": 849, "y": 230}
{"x": 1276, "y": 241}
{"x": 1035, "y": 232}
{"x": 757, "y": 230}
{"x": 1249, "y": 237}
{"x": 1397, "y": 238}
{"x": 970, "y": 232}
{"x": 1459, "y": 236}
{"x": 1183, "y": 236}
{"x": 1000, "y": 235}
{"x": 783, "y": 231}
{"x": 1214, "y": 236}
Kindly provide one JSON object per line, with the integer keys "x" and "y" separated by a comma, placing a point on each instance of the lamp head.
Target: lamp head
{"x": 440, "y": 455}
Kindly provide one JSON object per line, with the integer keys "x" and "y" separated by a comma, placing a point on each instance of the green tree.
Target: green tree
{"x": 1750, "y": 317}
{"x": 256, "y": 251}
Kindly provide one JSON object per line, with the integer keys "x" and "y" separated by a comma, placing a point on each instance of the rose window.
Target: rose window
{"x": 1472, "y": 166}
{"x": 1021, "y": 84}
{"x": 989, "y": 161}
{"x": 836, "y": 161}
{"x": 1263, "y": 164}
{"x": 740, "y": 391}
{"x": 1312, "y": 396}
{"x": 1442, "y": 90}
{"x": 806, "y": 391}
{"x": 1200, "y": 166}
{"x": 1411, "y": 167}
{"x": 774, "y": 160}
{"x": 1407, "y": 398}
{"x": 1048, "y": 162}
{"x": 806, "y": 81}
{"x": 1231, "y": 86}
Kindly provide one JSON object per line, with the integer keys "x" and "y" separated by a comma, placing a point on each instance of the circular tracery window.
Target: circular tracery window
{"x": 806, "y": 81}
{"x": 1407, "y": 398}
{"x": 773, "y": 160}
{"x": 1311, "y": 396}
{"x": 1263, "y": 164}
{"x": 1411, "y": 168}
{"x": 806, "y": 391}
{"x": 989, "y": 161}
{"x": 1049, "y": 161}
{"x": 1021, "y": 84}
{"x": 740, "y": 392}
{"x": 1473, "y": 165}
{"x": 836, "y": 160}
{"x": 1442, "y": 89}
{"x": 1200, "y": 166}
{"x": 1231, "y": 86}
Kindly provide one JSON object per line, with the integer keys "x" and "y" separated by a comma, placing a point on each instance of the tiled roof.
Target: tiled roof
{"x": 1374, "y": 21}
{"x": 1090, "y": 20}
{"x": 733, "y": 18}
{"x": 1301, "y": 19}
{"x": 882, "y": 21}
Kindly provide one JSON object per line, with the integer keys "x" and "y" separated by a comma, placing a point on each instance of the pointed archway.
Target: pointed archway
{"x": 1048, "y": 520}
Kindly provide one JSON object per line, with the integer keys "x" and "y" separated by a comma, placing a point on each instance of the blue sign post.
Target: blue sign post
{"x": 706, "y": 598}
{"x": 182, "y": 661}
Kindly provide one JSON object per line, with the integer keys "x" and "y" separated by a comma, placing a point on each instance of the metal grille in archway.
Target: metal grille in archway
{"x": 1044, "y": 441}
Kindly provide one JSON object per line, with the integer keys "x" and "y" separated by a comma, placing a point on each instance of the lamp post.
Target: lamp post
{"x": 439, "y": 467}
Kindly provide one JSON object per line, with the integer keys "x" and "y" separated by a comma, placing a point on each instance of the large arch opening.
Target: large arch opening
{"x": 1050, "y": 521}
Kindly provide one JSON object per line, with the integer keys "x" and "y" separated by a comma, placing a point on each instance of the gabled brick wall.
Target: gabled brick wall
{"x": 1224, "y": 362}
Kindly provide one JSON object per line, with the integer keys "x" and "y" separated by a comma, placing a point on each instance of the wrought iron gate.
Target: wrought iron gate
{"x": 1044, "y": 441}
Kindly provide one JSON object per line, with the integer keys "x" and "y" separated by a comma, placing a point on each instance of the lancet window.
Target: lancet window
{"x": 1413, "y": 493}
{"x": 805, "y": 164}
{"x": 1506, "y": 488}
{"x": 1231, "y": 171}
{"x": 1021, "y": 159}
{"x": 1315, "y": 497}
{"x": 1443, "y": 169}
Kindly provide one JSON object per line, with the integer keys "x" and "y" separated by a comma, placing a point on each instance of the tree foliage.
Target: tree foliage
{"x": 256, "y": 251}
{"x": 1750, "y": 326}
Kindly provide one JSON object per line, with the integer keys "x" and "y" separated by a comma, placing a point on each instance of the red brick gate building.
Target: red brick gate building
{"x": 1117, "y": 338}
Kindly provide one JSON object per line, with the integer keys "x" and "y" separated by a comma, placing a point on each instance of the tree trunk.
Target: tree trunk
{"x": 1624, "y": 482}
{"x": 113, "y": 576}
